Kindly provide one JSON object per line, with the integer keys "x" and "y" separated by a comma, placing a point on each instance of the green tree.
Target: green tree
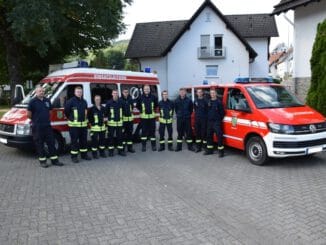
{"x": 52, "y": 29}
{"x": 116, "y": 59}
{"x": 100, "y": 60}
{"x": 317, "y": 92}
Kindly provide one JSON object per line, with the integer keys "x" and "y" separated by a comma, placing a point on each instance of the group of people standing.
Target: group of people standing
{"x": 115, "y": 120}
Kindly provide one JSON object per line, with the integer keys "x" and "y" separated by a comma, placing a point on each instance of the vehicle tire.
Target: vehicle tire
{"x": 256, "y": 151}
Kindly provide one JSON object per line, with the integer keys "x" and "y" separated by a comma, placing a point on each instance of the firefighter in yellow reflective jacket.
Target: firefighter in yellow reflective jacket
{"x": 115, "y": 122}
{"x": 147, "y": 104}
{"x": 76, "y": 112}
{"x": 166, "y": 107}
{"x": 128, "y": 119}
{"x": 98, "y": 127}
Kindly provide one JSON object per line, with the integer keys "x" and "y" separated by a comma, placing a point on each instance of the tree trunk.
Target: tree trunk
{"x": 12, "y": 57}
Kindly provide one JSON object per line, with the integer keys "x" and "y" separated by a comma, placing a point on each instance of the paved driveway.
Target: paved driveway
{"x": 162, "y": 198}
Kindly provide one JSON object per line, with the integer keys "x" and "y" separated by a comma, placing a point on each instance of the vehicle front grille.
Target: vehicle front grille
{"x": 298, "y": 144}
{"x": 305, "y": 129}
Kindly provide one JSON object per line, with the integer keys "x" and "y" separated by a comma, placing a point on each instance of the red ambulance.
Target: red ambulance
{"x": 15, "y": 127}
{"x": 266, "y": 120}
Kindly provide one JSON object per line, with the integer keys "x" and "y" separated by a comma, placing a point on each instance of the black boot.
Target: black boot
{"x": 208, "y": 152}
{"x": 95, "y": 156}
{"x": 153, "y": 146}
{"x": 179, "y": 147}
{"x": 170, "y": 147}
{"x": 190, "y": 147}
{"x": 86, "y": 157}
{"x": 221, "y": 153}
{"x": 130, "y": 149}
{"x": 143, "y": 149}
{"x": 111, "y": 153}
{"x": 121, "y": 153}
{"x": 102, "y": 154}
{"x": 75, "y": 159}
{"x": 162, "y": 147}
{"x": 198, "y": 148}
{"x": 43, "y": 164}
{"x": 56, "y": 162}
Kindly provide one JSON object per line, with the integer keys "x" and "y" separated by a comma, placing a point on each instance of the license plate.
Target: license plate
{"x": 315, "y": 149}
{"x": 3, "y": 141}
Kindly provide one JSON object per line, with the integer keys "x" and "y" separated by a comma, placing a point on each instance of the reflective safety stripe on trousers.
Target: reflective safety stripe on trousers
{"x": 147, "y": 116}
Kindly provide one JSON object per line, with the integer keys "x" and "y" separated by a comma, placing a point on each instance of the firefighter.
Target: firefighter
{"x": 166, "y": 108}
{"x": 200, "y": 107}
{"x": 115, "y": 121}
{"x": 97, "y": 122}
{"x": 147, "y": 104}
{"x": 76, "y": 112}
{"x": 183, "y": 109}
{"x": 215, "y": 117}
{"x": 39, "y": 112}
{"x": 128, "y": 120}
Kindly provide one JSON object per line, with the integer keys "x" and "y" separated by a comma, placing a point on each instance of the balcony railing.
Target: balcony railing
{"x": 211, "y": 53}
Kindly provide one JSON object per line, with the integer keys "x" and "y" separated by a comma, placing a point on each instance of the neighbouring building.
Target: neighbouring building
{"x": 210, "y": 47}
{"x": 281, "y": 65}
{"x": 307, "y": 15}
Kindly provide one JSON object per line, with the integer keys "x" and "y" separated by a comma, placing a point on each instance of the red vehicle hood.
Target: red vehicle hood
{"x": 293, "y": 115}
{"x": 15, "y": 116}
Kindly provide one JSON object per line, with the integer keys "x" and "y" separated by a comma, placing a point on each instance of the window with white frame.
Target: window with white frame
{"x": 212, "y": 70}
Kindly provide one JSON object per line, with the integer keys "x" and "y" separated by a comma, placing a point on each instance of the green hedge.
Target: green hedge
{"x": 317, "y": 92}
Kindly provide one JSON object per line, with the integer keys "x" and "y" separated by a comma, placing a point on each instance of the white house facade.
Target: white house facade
{"x": 208, "y": 48}
{"x": 307, "y": 15}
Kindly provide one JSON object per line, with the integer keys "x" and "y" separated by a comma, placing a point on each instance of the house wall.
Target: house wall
{"x": 158, "y": 65}
{"x": 259, "y": 68}
{"x": 306, "y": 19}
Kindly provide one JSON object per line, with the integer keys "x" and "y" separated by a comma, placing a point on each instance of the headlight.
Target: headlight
{"x": 281, "y": 128}
{"x": 23, "y": 129}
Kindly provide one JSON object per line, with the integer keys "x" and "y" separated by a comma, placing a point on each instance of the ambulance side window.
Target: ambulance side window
{"x": 236, "y": 99}
{"x": 67, "y": 93}
{"x": 154, "y": 90}
{"x": 134, "y": 90}
{"x": 102, "y": 89}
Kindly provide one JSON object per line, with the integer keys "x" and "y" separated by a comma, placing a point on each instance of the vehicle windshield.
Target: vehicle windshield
{"x": 272, "y": 97}
{"x": 50, "y": 89}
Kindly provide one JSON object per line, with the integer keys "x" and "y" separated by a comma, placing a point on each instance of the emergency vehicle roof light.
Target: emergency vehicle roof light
{"x": 75, "y": 64}
{"x": 253, "y": 80}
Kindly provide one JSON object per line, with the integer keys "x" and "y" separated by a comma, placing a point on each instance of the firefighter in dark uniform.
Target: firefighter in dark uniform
{"x": 215, "y": 117}
{"x": 97, "y": 120}
{"x": 76, "y": 112}
{"x": 147, "y": 105}
{"x": 200, "y": 107}
{"x": 128, "y": 120}
{"x": 166, "y": 108}
{"x": 115, "y": 121}
{"x": 183, "y": 109}
{"x": 39, "y": 112}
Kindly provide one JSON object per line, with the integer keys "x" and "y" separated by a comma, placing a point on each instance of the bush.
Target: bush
{"x": 317, "y": 91}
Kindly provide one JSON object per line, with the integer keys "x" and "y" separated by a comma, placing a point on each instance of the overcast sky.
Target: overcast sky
{"x": 161, "y": 10}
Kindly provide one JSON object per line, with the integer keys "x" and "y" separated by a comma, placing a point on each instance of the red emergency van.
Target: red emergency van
{"x": 266, "y": 120}
{"x": 15, "y": 127}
